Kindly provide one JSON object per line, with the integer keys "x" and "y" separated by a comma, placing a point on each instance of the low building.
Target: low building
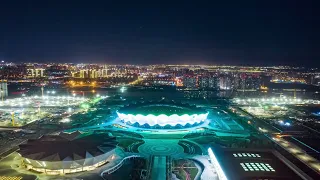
{"x": 251, "y": 164}
{"x": 67, "y": 153}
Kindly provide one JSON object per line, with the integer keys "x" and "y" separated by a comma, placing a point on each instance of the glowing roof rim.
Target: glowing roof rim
{"x": 163, "y": 120}
{"x": 165, "y": 114}
{"x": 167, "y": 123}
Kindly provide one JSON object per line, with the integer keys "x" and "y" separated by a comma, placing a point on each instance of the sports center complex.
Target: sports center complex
{"x": 175, "y": 140}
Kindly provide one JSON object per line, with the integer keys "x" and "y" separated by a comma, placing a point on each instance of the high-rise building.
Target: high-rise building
{"x": 203, "y": 82}
{"x": 249, "y": 82}
{"x": 104, "y": 72}
{"x": 208, "y": 82}
{"x": 190, "y": 82}
{"x": 35, "y": 73}
{"x": 315, "y": 80}
{"x": 83, "y": 73}
{"x": 225, "y": 83}
{"x": 3, "y": 88}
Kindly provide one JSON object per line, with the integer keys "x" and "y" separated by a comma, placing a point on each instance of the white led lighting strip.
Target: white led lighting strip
{"x": 216, "y": 164}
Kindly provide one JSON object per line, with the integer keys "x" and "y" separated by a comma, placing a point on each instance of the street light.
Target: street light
{"x": 122, "y": 89}
{"x": 12, "y": 118}
{"x": 2, "y": 94}
{"x": 42, "y": 91}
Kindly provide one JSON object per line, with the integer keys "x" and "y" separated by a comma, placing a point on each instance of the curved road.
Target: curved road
{"x": 187, "y": 174}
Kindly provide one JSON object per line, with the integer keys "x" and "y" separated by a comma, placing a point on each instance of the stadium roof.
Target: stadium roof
{"x": 161, "y": 107}
{"x": 67, "y": 147}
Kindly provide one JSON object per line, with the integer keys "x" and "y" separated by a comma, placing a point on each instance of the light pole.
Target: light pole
{"x": 39, "y": 110}
{"x": 12, "y": 118}
{"x": 42, "y": 91}
{"x": 2, "y": 94}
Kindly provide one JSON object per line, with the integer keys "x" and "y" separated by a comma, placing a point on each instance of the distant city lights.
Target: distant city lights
{"x": 66, "y": 120}
{"x": 35, "y": 101}
{"x": 275, "y": 101}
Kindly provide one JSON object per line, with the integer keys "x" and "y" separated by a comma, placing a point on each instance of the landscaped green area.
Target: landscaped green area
{"x": 120, "y": 133}
{"x": 183, "y": 168}
{"x": 129, "y": 144}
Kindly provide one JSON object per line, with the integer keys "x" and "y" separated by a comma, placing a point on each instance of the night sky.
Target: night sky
{"x": 239, "y": 32}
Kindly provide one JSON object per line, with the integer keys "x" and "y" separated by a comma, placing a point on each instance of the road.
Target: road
{"x": 185, "y": 172}
{"x": 298, "y": 153}
{"x": 159, "y": 168}
{"x": 200, "y": 170}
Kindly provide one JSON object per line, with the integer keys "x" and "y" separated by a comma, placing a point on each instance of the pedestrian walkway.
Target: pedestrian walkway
{"x": 159, "y": 168}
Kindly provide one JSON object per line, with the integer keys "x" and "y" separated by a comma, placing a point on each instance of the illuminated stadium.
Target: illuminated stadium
{"x": 162, "y": 114}
{"x": 67, "y": 153}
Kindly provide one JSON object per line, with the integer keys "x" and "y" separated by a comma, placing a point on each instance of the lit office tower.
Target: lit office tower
{"x": 84, "y": 73}
{"x": 203, "y": 82}
{"x": 3, "y": 88}
{"x": 190, "y": 82}
{"x": 249, "y": 82}
{"x": 104, "y": 71}
{"x": 213, "y": 82}
{"x": 94, "y": 74}
{"x": 253, "y": 82}
{"x": 35, "y": 72}
{"x": 315, "y": 80}
{"x": 208, "y": 82}
{"x": 225, "y": 83}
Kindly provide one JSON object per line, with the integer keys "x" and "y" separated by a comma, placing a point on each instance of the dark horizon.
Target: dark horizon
{"x": 181, "y": 32}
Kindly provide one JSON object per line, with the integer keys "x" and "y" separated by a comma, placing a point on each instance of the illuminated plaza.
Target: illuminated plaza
{"x": 24, "y": 110}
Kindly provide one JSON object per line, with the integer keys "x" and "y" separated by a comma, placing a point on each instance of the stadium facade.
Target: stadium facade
{"x": 162, "y": 114}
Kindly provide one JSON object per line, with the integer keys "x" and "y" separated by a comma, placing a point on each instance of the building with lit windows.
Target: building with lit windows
{"x": 253, "y": 164}
{"x": 208, "y": 82}
{"x": 35, "y": 73}
{"x": 67, "y": 153}
{"x": 3, "y": 88}
{"x": 225, "y": 83}
{"x": 190, "y": 82}
{"x": 162, "y": 114}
